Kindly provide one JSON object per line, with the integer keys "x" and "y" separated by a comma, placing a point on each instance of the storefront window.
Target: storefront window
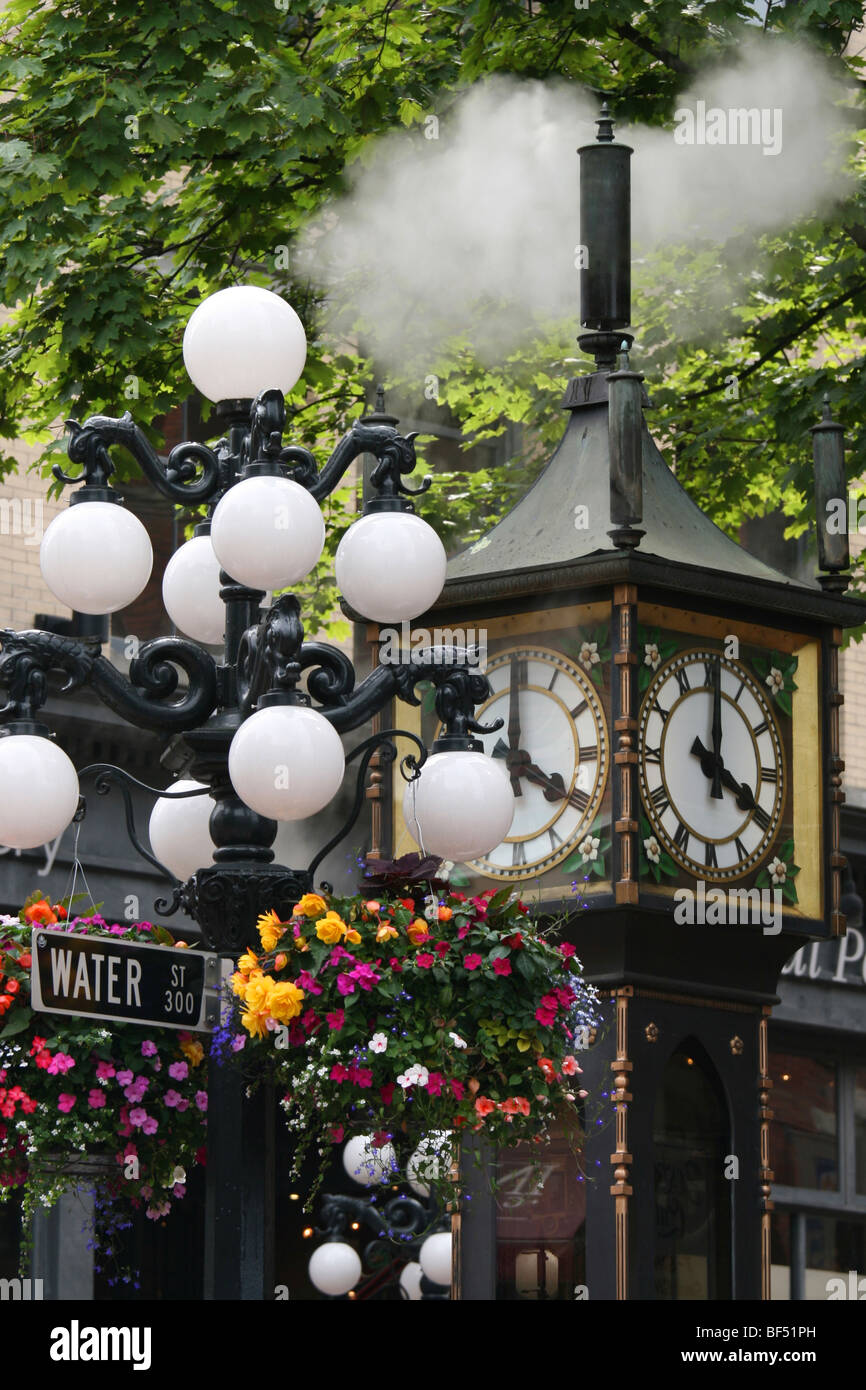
{"x": 540, "y": 1224}
{"x": 692, "y": 1195}
{"x": 803, "y": 1137}
{"x": 832, "y": 1251}
{"x": 860, "y": 1128}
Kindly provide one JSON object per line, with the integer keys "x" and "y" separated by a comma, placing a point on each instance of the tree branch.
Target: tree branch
{"x": 655, "y": 50}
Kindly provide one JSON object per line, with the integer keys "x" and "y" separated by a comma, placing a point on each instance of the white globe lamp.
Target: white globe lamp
{"x": 461, "y": 806}
{"x": 40, "y": 790}
{"x": 410, "y": 1281}
{"x": 267, "y": 532}
{"x": 390, "y": 566}
{"x": 432, "y": 1156}
{"x": 191, "y": 591}
{"x": 286, "y": 762}
{"x": 179, "y": 830}
{"x": 241, "y": 341}
{"x": 435, "y": 1257}
{"x": 96, "y": 557}
{"x": 335, "y": 1268}
{"x": 367, "y": 1165}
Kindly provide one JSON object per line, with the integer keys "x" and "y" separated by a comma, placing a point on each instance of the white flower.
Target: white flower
{"x": 457, "y": 1040}
{"x": 416, "y": 1075}
{"x": 9, "y": 921}
{"x": 378, "y": 1042}
{"x": 653, "y": 849}
{"x": 778, "y": 871}
{"x": 589, "y": 654}
{"x": 775, "y": 680}
{"x": 444, "y": 870}
{"x": 652, "y": 657}
{"x": 588, "y": 847}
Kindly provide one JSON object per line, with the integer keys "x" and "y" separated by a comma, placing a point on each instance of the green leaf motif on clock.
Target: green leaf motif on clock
{"x": 652, "y": 652}
{"x": 653, "y": 858}
{"x": 591, "y": 649}
{"x": 590, "y": 855}
{"x": 777, "y": 673}
{"x": 781, "y": 872}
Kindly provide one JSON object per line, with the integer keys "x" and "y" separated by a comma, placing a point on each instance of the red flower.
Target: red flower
{"x": 395, "y": 965}
{"x": 336, "y": 1019}
{"x": 471, "y": 962}
{"x": 335, "y": 1134}
{"x": 339, "y": 1072}
{"x": 13, "y": 986}
{"x": 25, "y": 960}
{"x": 459, "y": 897}
{"x": 408, "y": 903}
{"x": 545, "y": 1017}
{"x": 567, "y": 950}
{"x": 569, "y": 1066}
{"x": 515, "y": 941}
{"x": 61, "y": 911}
{"x": 548, "y": 1068}
{"x": 442, "y": 948}
{"x": 483, "y": 1106}
{"x": 458, "y": 1090}
{"x": 434, "y": 1083}
{"x": 36, "y": 1045}
{"x": 387, "y": 1093}
{"x": 28, "y": 1105}
{"x": 462, "y": 931}
{"x": 425, "y": 961}
{"x": 502, "y": 966}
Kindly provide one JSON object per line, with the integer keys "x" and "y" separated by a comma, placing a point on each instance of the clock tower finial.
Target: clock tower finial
{"x": 605, "y": 244}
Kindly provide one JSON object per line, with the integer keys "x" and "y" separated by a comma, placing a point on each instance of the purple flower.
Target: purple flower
{"x": 124, "y": 1077}
{"x": 96, "y": 1099}
{"x": 150, "y": 1125}
{"x": 183, "y": 1104}
{"x": 238, "y": 1042}
{"x": 171, "y": 1098}
{"x": 201, "y": 1099}
{"x": 345, "y": 984}
{"x": 137, "y": 1116}
{"x": 148, "y": 1048}
{"x": 178, "y": 1071}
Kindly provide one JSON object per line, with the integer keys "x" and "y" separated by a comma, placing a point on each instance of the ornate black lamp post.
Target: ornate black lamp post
{"x": 262, "y": 497}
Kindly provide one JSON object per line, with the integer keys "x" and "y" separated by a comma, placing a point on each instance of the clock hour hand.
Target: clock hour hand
{"x": 520, "y": 764}
{"x": 711, "y": 766}
{"x": 514, "y": 724}
{"x": 716, "y": 679}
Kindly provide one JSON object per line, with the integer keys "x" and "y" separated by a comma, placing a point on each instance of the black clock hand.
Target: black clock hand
{"x": 514, "y": 724}
{"x": 716, "y": 789}
{"x": 710, "y": 767}
{"x": 521, "y": 765}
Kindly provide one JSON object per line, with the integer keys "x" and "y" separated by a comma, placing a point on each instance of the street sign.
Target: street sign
{"x": 102, "y": 977}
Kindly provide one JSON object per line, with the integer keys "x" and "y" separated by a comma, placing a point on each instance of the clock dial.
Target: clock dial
{"x": 555, "y": 748}
{"x": 712, "y": 774}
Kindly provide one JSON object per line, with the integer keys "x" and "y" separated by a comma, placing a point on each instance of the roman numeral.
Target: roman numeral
{"x": 682, "y": 676}
{"x": 553, "y": 679}
{"x": 761, "y": 817}
{"x": 578, "y": 798}
{"x": 681, "y": 837}
{"x": 659, "y": 799}
{"x": 710, "y": 859}
{"x": 760, "y": 728}
{"x": 578, "y": 709}
{"x": 742, "y": 852}
{"x": 652, "y": 755}
{"x": 769, "y": 774}
{"x": 555, "y": 840}
{"x": 518, "y": 854}
{"x": 742, "y": 687}
{"x": 588, "y": 754}
{"x": 659, "y": 709}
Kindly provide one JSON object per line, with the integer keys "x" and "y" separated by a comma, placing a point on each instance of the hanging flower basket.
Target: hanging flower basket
{"x": 122, "y": 1110}
{"x": 375, "y": 1018}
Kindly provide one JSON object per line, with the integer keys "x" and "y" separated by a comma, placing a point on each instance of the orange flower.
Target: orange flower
{"x": 239, "y": 983}
{"x": 192, "y": 1051}
{"x": 483, "y": 1106}
{"x": 418, "y": 932}
{"x": 248, "y": 963}
{"x": 386, "y": 931}
{"x": 445, "y": 914}
{"x": 548, "y": 1068}
{"x": 353, "y": 936}
{"x": 25, "y": 960}
{"x": 40, "y": 913}
{"x": 280, "y": 962}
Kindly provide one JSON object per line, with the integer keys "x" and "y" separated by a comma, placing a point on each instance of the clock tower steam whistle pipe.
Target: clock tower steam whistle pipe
{"x": 625, "y": 422}
{"x": 605, "y": 235}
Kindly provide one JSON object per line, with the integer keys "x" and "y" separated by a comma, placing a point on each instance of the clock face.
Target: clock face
{"x": 712, "y": 769}
{"x": 555, "y": 747}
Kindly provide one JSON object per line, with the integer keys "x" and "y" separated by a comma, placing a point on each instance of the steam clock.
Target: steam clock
{"x": 671, "y": 735}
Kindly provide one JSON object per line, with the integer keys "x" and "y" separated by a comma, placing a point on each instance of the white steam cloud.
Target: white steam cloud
{"x": 486, "y": 215}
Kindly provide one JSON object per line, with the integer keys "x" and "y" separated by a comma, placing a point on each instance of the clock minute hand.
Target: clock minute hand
{"x": 716, "y": 789}
{"x": 514, "y": 725}
{"x": 711, "y": 766}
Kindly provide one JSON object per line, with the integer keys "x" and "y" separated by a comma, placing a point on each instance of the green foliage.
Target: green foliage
{"x": 151, "y": 156}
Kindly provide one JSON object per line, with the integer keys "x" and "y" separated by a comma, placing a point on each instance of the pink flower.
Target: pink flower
{"x": 339, "y": 1072}
{"x": 148, "y": 1048}
{"x": 569, "y": 1066}
{"x": 178, "y": 1071}
{"x": 307, "y": 982}
{"x": 124, "y": 1078}
{"x": 502, "y": 966}
{"x": 567, "y": 950}
{"x": 345, "y": 984}
{"x": 335, "y": 1134}
{"x": 65, "y": 1102}
{"x": 201, "y": 1099}
{"x": 545, "y": 1017}
{"x": 457, "y": 1089}
{"x": 339, "y": 953}
{"x": 171, "y": 1098}
{"x": 137, "y": 1116}
{"x": 471, "y": 962}
{"x": 104, "y": 1071}
{"x": 387, "y": 1093}
{"x": 179, "y": 1189}
{"x": 442, "y": 948}
{"x": 434, "y": 1083}
{"x": 462, "y": 931}
{"x": 96, "y": 1099}
{"x": 238, "y": 1042}
{"x": 395, "y": 965}
{"x": 425, "y": 960}
{"x": 336, "y": 1020}
{"x": 362, "y": 1076}
{"x": 61, "y": 1062}
{"x": 183, "y": 1104}
{"x": 150, "y": 1125}
{"x": 365, "y": 975}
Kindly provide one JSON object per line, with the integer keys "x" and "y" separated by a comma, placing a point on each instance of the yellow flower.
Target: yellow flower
{"x": 331, "y": 929}
{"x": 193, "y": 1051}
{"x": 311, "y": 905}
{"x": 285, "y": 1002}
{"x": 301, "y": 943}
{"x": 418, "y": 931}
{"x": 239, "y": 984}
{"x": 386, "y": 931}
{"x": 257, "y": 999}
{"x": 280, "y": 962}
{"x": 248, "y": 962}
{"x": 270, "y": 930}
{"x": 353, "y": 936}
